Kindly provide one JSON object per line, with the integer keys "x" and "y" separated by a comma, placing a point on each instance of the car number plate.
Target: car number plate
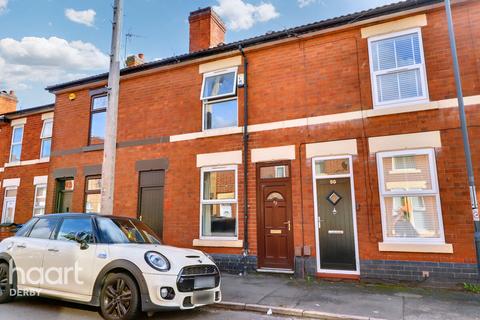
{"x": 203, "y": 297}
{"x": 204, "y": 283}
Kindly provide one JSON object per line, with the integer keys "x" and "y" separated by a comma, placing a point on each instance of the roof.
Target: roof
{"x": 268, "y": 37}
{"x": 26, "y": 112}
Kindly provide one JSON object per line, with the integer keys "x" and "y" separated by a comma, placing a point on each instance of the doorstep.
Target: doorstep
{"x": 275, "y": 270}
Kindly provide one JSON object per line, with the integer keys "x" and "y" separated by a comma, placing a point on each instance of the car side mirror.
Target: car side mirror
{"x": 82, "y": 239}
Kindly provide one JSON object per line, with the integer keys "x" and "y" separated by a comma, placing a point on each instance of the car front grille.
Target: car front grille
{"x": 199, "y": 270}
{"x": 187, "y": 276}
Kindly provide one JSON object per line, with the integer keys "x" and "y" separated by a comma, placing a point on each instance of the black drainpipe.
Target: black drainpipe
{"x": 245, "y": 161}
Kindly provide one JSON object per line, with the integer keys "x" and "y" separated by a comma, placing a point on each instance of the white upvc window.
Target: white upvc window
{"x": 219, "y": 99}
{"x": 16, "y": 146}
{"x": 219, "y": 203}
{"x": 46, "y": 138}
{"x": 9, "y": 204}
{"x": 397, "y": 68}
{"x": 40, "y": 199}
{"x": 409, "y": 197}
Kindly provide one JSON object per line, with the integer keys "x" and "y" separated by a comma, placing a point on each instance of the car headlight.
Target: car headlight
{"x": 157, "y": 261}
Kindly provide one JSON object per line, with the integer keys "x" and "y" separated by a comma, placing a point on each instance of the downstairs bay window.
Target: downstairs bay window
{"x": 218, "y": 202}
{"x": 409, "y": 196}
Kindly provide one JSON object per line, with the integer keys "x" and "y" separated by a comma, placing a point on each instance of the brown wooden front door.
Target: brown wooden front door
{"x": 275, "y": 225}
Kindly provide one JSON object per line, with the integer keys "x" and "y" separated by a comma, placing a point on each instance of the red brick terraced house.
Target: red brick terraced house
{"x": 330, "y": 149}
{"x": 26, "y": 137}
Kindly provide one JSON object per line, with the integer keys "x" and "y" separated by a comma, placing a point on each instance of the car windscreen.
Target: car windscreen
{"x": 114, "y": 230}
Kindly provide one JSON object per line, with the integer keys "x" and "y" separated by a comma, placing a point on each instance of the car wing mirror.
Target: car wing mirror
{"x": 82, "y": 239}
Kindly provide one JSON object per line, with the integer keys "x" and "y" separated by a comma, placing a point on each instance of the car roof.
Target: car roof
{"x": 80, "y": 214}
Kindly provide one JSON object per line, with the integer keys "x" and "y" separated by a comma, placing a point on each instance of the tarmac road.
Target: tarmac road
{"x": 46, "y": 309}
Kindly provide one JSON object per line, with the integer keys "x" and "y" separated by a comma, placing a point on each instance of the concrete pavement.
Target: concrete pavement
{"x": 361, "y": 301}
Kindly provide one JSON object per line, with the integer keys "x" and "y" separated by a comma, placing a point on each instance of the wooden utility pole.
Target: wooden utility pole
{"x": 110, "y": 143}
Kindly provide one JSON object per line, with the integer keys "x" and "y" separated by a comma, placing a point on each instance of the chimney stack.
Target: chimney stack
{"x": 8, "y": 102}
{"x": 207, "y": 30}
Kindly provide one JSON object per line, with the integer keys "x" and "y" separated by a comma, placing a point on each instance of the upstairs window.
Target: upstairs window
{"x": 98, "y": 117}
{"x": 219, "y": 96}
{"x": 410, "y": 200}
{"x": 398, "y": 68}
{"x": 46, "y": 137}
{"x": 16, "y": 149}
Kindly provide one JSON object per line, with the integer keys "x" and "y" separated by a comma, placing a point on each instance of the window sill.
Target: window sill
{"x": 218, "y": 243}
{"x": 26, "y": 162}
{"x": 416, "y": 247}
{"x": 206, "y": 134}
{"x": 93, "y": 147}
{"x": 413, "y": 106}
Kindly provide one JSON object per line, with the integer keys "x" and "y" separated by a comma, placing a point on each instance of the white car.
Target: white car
{"x": 117, "y": 264}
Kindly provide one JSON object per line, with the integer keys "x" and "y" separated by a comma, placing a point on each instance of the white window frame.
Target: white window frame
{"x": 5, "y": 199}
{"x": 44, "y": 137}
{"x": 218, "y": 201}
{"x": 217, "y": 73}
{"x": 207, "y": 102}
{"x": 16, "y": 143}
{"x": 421, "y": 67}
{"x": 37, "y": 186}
{"x": 433, "y": 192}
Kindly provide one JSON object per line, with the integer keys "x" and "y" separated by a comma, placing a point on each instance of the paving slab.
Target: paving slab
{"x": 356, "y": 299}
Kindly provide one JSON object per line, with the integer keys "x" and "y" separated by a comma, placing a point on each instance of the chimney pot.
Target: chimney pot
{"x": 207, "y": 30}
{"x": 135, "y": 60}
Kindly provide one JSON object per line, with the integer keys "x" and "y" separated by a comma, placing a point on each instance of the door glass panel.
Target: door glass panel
{"x": 273, "y": 172}
{"x": 332, "y": 167}
{"x": 275, "y": 196}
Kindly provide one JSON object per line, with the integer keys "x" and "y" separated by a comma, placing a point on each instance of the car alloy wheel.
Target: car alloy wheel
{"x": 5, "y": 286}
{"x": 119, "y": 298}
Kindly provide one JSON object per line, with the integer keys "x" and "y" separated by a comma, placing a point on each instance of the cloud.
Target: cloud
{"x": 86, "y": 17}
{"x": 3, "y": 5}
{"x": 241, "y": 15}
{"x": 304, "y": 3}
{"x": 40, "y": 61}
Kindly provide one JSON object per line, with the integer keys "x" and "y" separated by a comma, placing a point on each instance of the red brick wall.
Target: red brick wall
{"x": 306, "y": 77}
{"x": 30, "y": 151}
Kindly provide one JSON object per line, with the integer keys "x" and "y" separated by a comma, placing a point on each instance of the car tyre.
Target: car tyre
{"x": 119, "y": 298}
{"x": 5, "y": 284}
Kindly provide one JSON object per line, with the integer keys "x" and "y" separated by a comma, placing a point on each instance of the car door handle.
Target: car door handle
{"x": 21, "y": 246}
{"x": 53, "y": 250}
